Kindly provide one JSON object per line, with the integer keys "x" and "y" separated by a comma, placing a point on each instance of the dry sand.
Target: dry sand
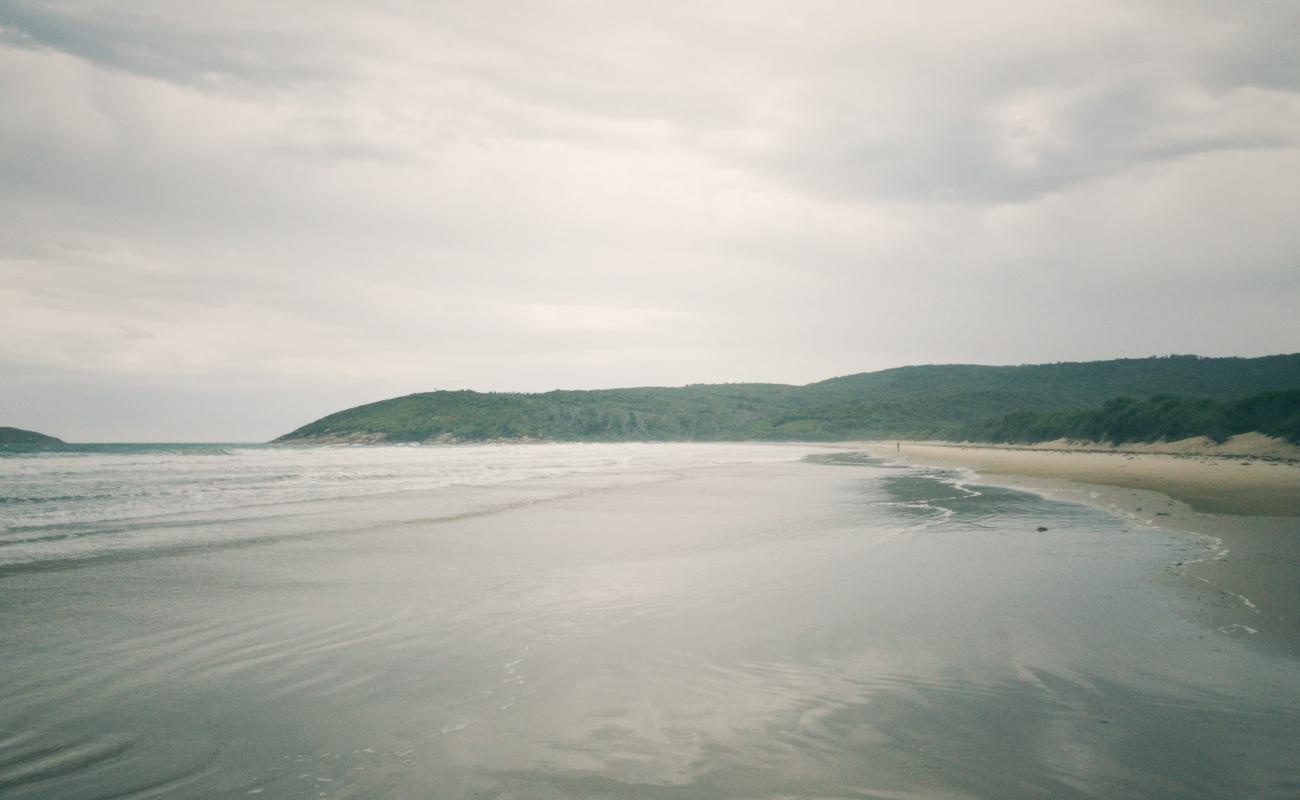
{"x": 1247, "y": 508}
{"x": 1207, "y": 483}
{"x": 1244, "y": 445}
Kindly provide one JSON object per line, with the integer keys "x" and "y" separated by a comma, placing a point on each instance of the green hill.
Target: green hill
{"x": 944, "y": 402}
{"x": 20, "y": 438}
{"x": 1160, "y": 418}
{"x": 936, "y": 401}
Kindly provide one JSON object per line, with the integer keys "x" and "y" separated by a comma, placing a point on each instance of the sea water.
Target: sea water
{"x": 604, "y": 621}
{"x": 82, "y": 501}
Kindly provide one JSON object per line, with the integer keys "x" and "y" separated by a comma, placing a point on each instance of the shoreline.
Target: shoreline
{"x": 761, "y": 628}
{"x": 1243, "y": 446}
{"x": 1245, "y": 513}
{"x": 1252, "y": 486}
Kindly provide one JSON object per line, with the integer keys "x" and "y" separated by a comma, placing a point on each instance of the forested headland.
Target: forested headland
{"x": 18, "y": 437}
{"x": 1120, "y": 400}
{"x": 1160, "y": 418}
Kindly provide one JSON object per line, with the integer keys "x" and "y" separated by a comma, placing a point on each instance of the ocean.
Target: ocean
{"x": 96, "y": 500}
{"x": 604, "y": 620}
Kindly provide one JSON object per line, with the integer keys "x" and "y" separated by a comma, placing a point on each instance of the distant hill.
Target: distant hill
{"x": 18, "y": 436}
{"x": 936, "y": 401}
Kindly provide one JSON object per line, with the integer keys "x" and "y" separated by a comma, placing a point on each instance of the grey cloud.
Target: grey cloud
{"x": 987, "y": 143}
{"x": 238, "y": 202}
{"x": 184, "y": 44}
{"x": 941, "y": 129}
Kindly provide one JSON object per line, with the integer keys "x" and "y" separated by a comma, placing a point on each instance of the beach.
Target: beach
{"x": 1247, "y": 506}
{"x": 685, "y": 621}
{"x": 1241, "y": 483}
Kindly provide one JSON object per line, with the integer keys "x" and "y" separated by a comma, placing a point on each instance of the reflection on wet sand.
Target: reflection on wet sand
{"x": 830, "y": 630}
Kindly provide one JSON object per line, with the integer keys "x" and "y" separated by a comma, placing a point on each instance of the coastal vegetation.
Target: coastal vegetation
{"x": 921, "y": 402}
{"x": 1159, "y": 418}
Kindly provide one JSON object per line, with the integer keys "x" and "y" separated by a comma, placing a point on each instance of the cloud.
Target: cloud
{"x": 215, "y": 47}
{"x": 368, "y": 200}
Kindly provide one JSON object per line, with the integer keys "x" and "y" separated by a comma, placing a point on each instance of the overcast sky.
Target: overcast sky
{"x": 220, "y": 221}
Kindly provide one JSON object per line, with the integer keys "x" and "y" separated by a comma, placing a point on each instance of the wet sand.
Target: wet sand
{"x": 1247, "y": 508}
{"x": 780, "y": 630}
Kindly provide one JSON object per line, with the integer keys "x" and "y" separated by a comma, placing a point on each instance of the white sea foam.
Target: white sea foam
{"x": 69, "y": 505}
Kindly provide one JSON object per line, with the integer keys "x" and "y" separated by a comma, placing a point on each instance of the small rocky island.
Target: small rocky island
{"x": 18, "y": 436}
